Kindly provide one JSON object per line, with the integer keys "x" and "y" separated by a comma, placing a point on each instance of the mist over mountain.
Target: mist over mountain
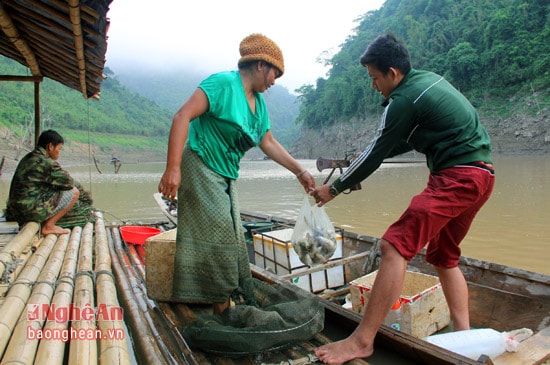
{"x": 496, "y": 53}
{"x": 171, "y": 88}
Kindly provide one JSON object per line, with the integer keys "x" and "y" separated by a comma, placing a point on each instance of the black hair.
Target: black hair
{"x": 387, "y": 51}
{"x": 249, "y": 65}
{"x": 49, "y": 136}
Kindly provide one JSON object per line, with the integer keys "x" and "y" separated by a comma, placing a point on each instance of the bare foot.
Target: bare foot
{"x": 344, "y": 350}
{"x": 54, "y": 230}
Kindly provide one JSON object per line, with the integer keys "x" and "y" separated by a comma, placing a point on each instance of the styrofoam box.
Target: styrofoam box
{"x": 159, "y": 264}
{"x": 273, "y": 250}
{"x": 424, "y": 309}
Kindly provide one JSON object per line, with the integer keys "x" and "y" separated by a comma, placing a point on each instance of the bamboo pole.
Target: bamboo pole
{"x": 12, "y": 33}
{"x": 164, "y": 338}
{"x": 167, "y": 339}
{"x": 83, "y": 350}
{"x": 53, "y": 352}
{"x": 147, "y": 349}
{"x": 17, "y": 245}
{"x": 20, "y": 291}
{"x": 114, "y": 348}
{"x": 136, "y": 261}
{"x": 24, "y": 340}
{"x": 74, "y": 12}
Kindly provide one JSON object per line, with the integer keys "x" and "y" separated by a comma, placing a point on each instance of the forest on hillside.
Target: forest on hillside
{"x": 487, "y": 49}
{"x": 119, "y": 110}
{"x": 134, "y": 112}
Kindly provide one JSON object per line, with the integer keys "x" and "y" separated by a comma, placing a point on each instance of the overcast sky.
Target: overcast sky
{"x": 205, "y": 34}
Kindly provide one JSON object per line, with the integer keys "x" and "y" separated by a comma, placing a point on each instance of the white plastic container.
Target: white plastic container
{"x": 472, "y": 343}
{"x": 273, "y": 250}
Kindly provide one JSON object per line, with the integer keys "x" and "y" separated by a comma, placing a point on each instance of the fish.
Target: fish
{"x": 315, "y": 247}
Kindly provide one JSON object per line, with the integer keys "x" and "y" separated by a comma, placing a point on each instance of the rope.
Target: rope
{"x": 106, "y": 272}
{"x": 10, "y": 267}
{"x": 50, "y": 283}
{"x": 66, "y": 279}
{"x": 88, "y": 273}
{"x": 17, "y": 282}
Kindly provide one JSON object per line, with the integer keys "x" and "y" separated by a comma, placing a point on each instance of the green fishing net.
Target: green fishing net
{"x": 281, "y": 318}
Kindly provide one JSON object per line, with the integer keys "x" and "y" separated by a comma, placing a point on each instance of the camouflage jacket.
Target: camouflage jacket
{"x": 35, "y": 188}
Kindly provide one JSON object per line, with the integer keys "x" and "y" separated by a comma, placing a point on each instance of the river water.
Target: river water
{"x": 511, "y": 229}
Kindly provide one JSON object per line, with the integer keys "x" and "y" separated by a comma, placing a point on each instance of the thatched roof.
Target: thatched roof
{"x": 64, "y": 40}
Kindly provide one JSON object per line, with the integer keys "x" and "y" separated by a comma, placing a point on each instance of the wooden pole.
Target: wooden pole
{"x": 20, "y": 291}
{"x": 23, "y": 344}
{"x": 36, "y": 112}
{"x": 12, "y": 33}
{"x": 84, "y": 350}
{"x": 53, "y": 352}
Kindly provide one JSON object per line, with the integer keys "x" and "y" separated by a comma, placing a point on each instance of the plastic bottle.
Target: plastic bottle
{"x": 472, "y": 343}
{"x": 394, "y": 317}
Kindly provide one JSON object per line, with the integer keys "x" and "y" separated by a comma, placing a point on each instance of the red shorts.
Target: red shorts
{"x": 441, "y": 215}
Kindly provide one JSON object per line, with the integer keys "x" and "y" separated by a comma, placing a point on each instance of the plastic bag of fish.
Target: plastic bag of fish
{"x": 314, "y": 237}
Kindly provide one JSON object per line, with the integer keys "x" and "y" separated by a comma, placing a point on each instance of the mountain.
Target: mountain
{"x": 120, "y": 121}
{"x": 490, "y": 50}
{"x": 496, "y": 52}
{"x": 131, "y": 120}
{"x": 170, "y": 89}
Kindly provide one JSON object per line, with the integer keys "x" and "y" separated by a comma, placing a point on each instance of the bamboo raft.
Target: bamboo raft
{"x": 93, "y": 267}
{"x": 43, "y": 273}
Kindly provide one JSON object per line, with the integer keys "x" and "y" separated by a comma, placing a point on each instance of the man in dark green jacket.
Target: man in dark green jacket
{"x": 423, "y": 112}
{"x": 41, "y": 191}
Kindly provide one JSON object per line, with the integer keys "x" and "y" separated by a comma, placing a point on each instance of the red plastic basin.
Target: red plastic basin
{"x": 137, "y": 234}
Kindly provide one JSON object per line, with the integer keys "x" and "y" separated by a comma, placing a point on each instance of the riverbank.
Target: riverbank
{"x": 522, "y": 134}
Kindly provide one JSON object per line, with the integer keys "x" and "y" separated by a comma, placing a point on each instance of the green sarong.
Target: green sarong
{"x": 211, "y": 261}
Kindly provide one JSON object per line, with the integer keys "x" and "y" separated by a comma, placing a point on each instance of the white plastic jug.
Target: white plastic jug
{"x": 473, "y": 343}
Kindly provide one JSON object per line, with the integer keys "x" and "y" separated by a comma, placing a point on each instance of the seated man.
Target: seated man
{"x": 41, "y": 191}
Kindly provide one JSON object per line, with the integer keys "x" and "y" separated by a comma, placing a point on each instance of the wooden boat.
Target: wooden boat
{"x": 502, "y": 298}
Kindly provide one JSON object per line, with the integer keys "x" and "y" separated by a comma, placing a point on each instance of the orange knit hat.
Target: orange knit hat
{"x": 257, "y": 47}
